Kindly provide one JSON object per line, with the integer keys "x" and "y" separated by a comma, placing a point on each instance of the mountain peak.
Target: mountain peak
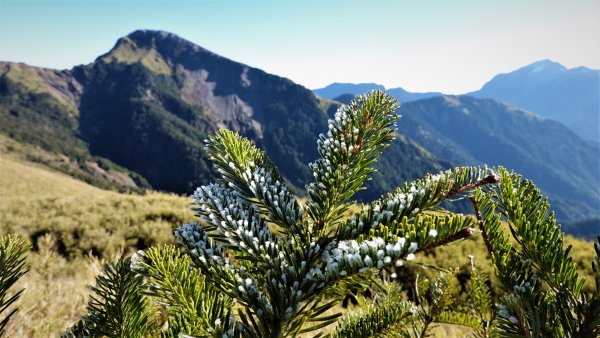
{"x": 146, "y": 37}
{"x": 140, "y": 33}
{"x": 549, "y": 89}
{"x": 543, "y": 66}
{"x": 154, "y": 39}
{"x": 152, "y": 48}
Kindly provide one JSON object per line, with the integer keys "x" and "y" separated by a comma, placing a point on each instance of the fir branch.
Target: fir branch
{"x": 460, "y": 235}
{"x": 590, "y": 308}
{"x": 481, "y": 225}
{"x": 540, "y": 258}
{"x": 209, "y": 256}
{"x": 117, "y": 308}
{"x": 424, "y": 232}
{"x": 492, "y": 178}
{"x": 248, "y": 170}
{"x": 194, "y": 306}
{"x": 13, "y": 250}
{"x": 413, "y": 198}
{"x": 480, "y": 299}
{"x": 496, "y": 243}
{"x": 438, "y": 304}
{"x": 535, "y": 228}
{"x": 235, "y": 224}
{"x": 356, "y": 136}
{"x": 392, "y": 316}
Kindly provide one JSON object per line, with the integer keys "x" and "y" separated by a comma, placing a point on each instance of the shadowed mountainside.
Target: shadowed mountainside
{"x": 466, "y": 130}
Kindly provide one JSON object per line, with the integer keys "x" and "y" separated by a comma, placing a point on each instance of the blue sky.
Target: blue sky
{"x": 449, "y": 46}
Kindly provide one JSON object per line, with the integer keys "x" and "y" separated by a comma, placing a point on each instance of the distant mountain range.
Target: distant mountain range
{"x": 547, "y": 88}
{"x": 136, "y": 118}
{"x": 335, "y": 90}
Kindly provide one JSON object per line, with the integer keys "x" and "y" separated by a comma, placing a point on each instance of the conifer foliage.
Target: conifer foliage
{"x": 259, "y": 262}
{"x": 277, "y": 259}
{"x": 13, "y": 250}
{"x": 116, "y": 307}
{"x": 543, "y": 291}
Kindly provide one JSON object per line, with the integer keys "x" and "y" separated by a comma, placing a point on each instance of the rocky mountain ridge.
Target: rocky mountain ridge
{"x": 147, "y": 105}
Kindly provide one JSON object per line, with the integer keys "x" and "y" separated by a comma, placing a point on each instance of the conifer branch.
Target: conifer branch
{"x": 116, "y": 308}
{"x": 195, "y": 307}
{"x": 390, "y": 315}
{"x": 460, "y": 235}
{"x": 413, "y": 198}
{"x": 356, "y": 136}
{"x": 481, "y": 225}
{"x": 540, "y": 258}
{"x": 492, "y": 178}
{"x": 249, "y": 171}
{"x": 12, "y": 267}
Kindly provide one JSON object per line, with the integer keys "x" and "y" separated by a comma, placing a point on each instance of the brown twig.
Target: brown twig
{"x": 492, "y": 178}
{"x": 486, "y": 239}
{"x": 464, "y": 233}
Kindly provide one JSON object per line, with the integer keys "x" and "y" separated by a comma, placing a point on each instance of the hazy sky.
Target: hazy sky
{"x": 449, "y": 46}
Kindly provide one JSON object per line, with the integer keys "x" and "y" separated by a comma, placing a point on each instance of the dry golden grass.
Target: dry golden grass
{"x": 68, "y": 219}
{"x": 56, "y": 292}
{"x": 83, "y": 218}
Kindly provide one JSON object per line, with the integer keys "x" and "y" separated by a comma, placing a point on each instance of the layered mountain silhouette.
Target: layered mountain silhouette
{"x": 335, "y": 90}
{"x": 547, "y": 88}
{"x": 141, "y": 112}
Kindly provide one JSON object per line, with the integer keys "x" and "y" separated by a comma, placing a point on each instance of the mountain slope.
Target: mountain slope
{"x": 466, "y": 130}
{"x": 148, "y": 104}
{"x": 40, "y": 107}
{"x": 155, "y": 83}
{"x": 569, "y": 96}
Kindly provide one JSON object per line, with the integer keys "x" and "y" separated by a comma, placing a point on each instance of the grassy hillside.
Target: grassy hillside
{"x": 82, "y": 218}
{"x": 74, "y": 227}
{"x": 47, "y": 122}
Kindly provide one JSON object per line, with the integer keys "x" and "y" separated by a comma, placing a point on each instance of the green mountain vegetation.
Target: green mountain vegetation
{"x": 81, "y": 218}
{"x": 35, "y": 113}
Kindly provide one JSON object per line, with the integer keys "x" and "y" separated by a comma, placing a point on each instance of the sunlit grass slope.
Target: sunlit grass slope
{"x": 67, "y": 220}
{"x": 83, "y": 218}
